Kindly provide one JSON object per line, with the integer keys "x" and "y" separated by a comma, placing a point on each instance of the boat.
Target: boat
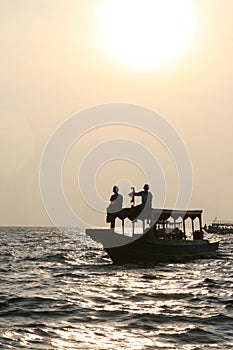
{"x": 163, "y": 237}
{"x": 220, "y": 227}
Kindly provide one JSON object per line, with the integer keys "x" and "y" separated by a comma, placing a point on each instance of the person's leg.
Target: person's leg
{"x": 112, "y": 223}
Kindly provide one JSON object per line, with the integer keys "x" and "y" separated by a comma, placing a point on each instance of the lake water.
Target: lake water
{"x": 59, "y": 290}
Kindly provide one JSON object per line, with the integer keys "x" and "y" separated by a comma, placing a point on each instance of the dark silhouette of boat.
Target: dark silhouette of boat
{"x": 220, "y": 227}
{"x": 163, "y": 238}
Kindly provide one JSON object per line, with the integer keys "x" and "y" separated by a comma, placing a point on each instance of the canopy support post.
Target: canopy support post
{"x": 192, "y": 225}
{"x": 184, "y": 225}
{"x": 200, "y": 222}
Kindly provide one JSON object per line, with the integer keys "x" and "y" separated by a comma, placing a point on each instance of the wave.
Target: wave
{"x": 55, "y": 287}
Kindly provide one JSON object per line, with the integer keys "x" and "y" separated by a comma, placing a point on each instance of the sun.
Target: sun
{"x": 145, "y": 34}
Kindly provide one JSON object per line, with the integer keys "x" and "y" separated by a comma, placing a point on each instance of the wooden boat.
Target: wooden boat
{"x": 161, "y": 241}
{"x": 220, "y": 227}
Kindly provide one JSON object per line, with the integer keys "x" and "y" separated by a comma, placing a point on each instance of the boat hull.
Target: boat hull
{"x": 148, "y": 250}
{"x": 158, "y": 253}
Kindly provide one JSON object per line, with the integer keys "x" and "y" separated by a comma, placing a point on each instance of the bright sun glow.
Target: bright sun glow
{"x": 146, "y": 34}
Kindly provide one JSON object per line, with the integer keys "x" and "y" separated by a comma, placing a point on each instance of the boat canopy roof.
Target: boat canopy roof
{"x": 165, "y": 214}
{"x": 155, "y": 214}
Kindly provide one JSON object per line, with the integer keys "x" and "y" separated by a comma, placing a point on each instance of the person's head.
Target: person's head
{"x": 146, "y": 187}
{"x": 115, "y": 189}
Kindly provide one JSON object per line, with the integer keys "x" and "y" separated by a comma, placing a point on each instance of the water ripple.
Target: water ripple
{"x": 57, "y": 293}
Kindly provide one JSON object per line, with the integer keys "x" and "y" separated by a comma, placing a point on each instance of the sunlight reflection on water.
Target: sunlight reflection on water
{"x": 61, "y": 294}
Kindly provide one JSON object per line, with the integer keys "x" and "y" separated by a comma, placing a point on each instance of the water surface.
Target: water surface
{"x": 59, "y": 290}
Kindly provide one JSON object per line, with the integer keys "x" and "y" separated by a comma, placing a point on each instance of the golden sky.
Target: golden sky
{"x": 61, "y": 57}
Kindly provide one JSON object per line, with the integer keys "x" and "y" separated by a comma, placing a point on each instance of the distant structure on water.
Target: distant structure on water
{"x": 220, "y": 226}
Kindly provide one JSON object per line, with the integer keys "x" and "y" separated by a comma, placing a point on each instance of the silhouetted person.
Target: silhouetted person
{"x": 115, "y": 206}
{"x": 144, "y": 210}
{"x": 146, "y": 196}
{"x": 131, "y": 194}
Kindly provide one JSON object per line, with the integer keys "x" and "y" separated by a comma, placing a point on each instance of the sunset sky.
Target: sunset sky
{"x": 61, "y": 57}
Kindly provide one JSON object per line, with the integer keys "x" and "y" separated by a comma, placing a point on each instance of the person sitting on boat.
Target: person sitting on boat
{"x": 115, "y": 206}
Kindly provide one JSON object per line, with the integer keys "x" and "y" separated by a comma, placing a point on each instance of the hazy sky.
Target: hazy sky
{"x": 57, "y": 60}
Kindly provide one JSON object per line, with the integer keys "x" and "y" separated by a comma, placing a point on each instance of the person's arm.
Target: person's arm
{"x": 121, "y": 201}
{"x": 138, "y": 193}
{"x": 113, "y": 198}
